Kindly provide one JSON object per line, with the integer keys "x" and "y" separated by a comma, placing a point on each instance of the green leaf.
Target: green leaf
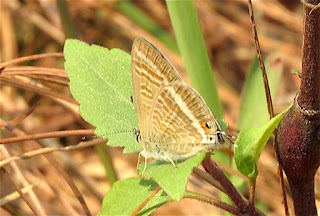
{"x": 100, "y": 80}
{"x": 254, "y": 108}
{"x": 173, "y": 180}
{"x": 127, "y": 195}
{"x": 250, "y": 143}
{"x": 222, "y": 124}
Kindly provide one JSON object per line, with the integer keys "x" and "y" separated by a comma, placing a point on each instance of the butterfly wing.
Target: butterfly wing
{"x": 180, "y": 123}
{"x": 150, "y": 71}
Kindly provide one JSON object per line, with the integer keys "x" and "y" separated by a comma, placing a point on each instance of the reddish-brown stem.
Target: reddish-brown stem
{"x": 303, "y": 196}
{"x": 309, "y": 97}
{"x": 230, "y": 190}
{"x": 298, "y": 138}
{"x": 146, "y": 201}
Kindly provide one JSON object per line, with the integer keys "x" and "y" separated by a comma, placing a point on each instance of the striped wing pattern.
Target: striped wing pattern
{"x": 181, "y": 124}
{"x": 150, "y": 71}
{"x": 175, "y": 123}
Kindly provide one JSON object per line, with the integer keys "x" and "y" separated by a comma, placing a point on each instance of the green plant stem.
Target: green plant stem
{"x": 252, "y": 191}
{"x": 212, "y": 201}
{"x": 190, "y": 40}
{"x": 104, "y": 153}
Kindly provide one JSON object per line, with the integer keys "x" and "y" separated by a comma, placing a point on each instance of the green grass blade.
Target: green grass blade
{"x": 188, "y": 33}
{"x": 66, "y": 19}
{"x": 140, "y": 18}
{"x": 105, "y": 156}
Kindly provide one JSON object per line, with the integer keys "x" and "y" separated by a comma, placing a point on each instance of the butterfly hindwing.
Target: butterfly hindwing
{"x": 180, "y": 122}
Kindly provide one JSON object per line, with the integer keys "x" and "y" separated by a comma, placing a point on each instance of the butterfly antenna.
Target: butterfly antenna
{"x": 117, "y": 132}
{"x": 229, "y": 137}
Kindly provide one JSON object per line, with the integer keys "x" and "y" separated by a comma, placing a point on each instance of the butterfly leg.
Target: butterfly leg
{"x": 139, "y": 159}
{"x": 145, "y": 162}
{"x": 145, "y": 165}
{"x": 171, "y": 161}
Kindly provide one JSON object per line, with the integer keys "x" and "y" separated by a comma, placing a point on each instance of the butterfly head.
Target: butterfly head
{"x": 221, "y": 135}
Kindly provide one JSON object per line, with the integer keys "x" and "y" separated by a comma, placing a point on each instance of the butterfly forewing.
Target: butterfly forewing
{"x": 150, "y": 71}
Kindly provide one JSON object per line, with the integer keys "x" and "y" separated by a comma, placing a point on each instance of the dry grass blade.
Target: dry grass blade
{"x": 19, "y": 119}
{"x": 37, "y": 89}
{"x": 22, "y": 195}
{"x": 50, "y": 150}
{"x": 36, "y": 204}
{"x": 54, "y": 80}
{"x": 36, "y": 19}
{"x": 15, "y": 195}
{"x": 54, "y": 163}
{"x": 263, "y": 69}
{"x": 29, "y": 58}
{"x": 82, "y": 133}
{"x": 21, "y": 70}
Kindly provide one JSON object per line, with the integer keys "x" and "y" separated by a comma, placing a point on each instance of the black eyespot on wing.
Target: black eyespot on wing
{"x": 211, "y": 139}
{"x": 208, "y": 125}
{"x": 138, "y": 137}
{"x": 137, "y": 134}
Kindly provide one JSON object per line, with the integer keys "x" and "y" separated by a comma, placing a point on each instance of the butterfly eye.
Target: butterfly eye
{"x": 208, "y": 125}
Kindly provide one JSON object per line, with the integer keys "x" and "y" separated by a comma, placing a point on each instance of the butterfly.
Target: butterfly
{"x": 174, "y": 121}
